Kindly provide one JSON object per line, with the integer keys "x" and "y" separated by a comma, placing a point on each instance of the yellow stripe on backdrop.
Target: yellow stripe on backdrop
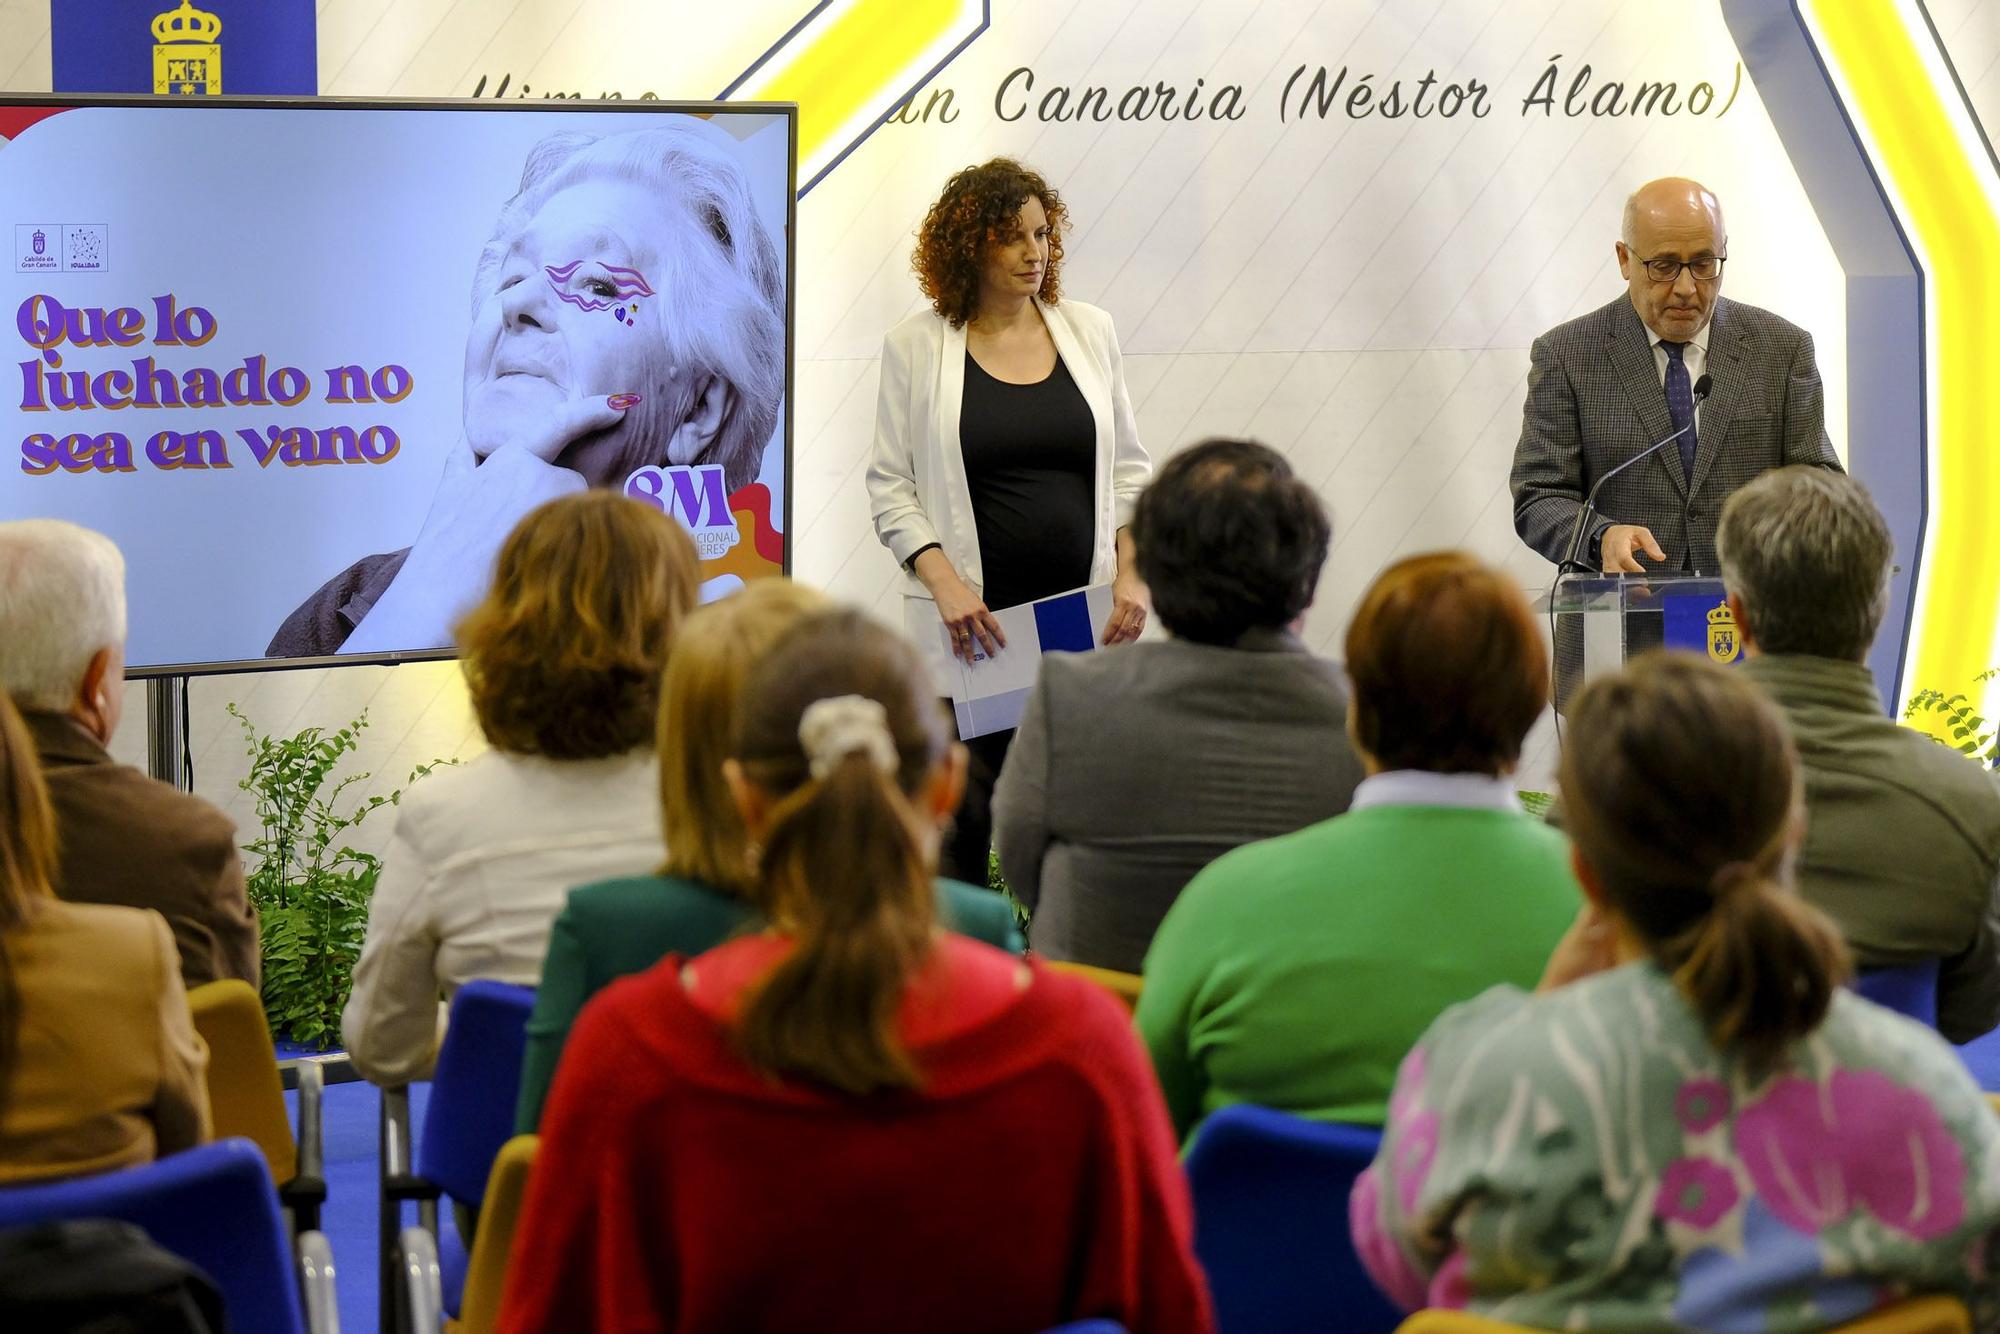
{"x": 1926, "y": 149}
{"x": 851, "y": 63}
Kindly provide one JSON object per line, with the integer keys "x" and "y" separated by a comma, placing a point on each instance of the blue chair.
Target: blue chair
{"x": 1908, "y": 989}
{"x": 1270, "y": 1223}
{"x": 470, "y": 1115}
{"x": 215, "y": 1207}
{"x": 1088, "y": 1327}
{"x": 1982, "y": 1059}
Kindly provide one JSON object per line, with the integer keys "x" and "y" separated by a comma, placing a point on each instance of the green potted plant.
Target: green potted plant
{"x": 1955, "y": 721}
{"x": 310, "y": 888}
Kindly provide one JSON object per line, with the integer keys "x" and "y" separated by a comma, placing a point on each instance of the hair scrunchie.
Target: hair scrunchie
{"x": 1731, "y": 877}
{"x": 832, "y": 729}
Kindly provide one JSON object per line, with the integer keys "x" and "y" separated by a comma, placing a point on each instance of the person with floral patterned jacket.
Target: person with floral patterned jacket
{"x": 1692, "y": 1125}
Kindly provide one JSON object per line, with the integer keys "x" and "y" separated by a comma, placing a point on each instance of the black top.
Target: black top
{"x": 1030, "y": 459}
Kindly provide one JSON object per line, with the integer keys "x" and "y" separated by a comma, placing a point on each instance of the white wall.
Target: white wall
{"x": 1360, "y": 294}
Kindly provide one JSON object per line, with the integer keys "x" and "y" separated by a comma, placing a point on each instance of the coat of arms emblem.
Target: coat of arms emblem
{"x": 1723, "y": 645}
{"x": 187, "y": 60}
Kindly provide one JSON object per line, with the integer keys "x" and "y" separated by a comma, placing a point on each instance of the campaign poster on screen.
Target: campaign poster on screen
{"x": 309, "y": 364}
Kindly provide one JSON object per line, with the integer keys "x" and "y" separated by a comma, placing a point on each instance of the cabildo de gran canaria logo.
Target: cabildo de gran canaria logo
{"x": 187, "y": 58}
{"x": 1722, "y": 643}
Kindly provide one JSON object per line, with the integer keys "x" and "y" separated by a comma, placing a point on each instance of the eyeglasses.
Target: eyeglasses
{"x": 1666, "y": 269}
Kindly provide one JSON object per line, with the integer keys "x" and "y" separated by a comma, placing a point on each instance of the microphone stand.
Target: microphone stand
{"x": 1569, "y": 563}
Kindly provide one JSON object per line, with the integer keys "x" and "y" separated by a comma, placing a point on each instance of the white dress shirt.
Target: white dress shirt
{"x": 483, "y": 858}
{"x": 1421, "y": 787}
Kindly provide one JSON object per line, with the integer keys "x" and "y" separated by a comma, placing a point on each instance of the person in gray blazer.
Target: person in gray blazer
{"x": 1136, "y": 767}
{"x": 1604, "y": 386}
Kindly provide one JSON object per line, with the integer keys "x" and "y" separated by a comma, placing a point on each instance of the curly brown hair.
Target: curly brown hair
{"x": 563, "y": 658}
{"x": 979, "y": 209}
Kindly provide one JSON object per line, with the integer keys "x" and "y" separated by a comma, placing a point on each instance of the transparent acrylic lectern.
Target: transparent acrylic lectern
{"x": 1601, "y": 620}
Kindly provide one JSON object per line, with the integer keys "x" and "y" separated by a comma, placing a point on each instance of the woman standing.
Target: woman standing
{"x": 1006, "y": 459}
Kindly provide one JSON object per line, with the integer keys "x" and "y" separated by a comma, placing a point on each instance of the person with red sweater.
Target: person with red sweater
{"x": 852, "y": 1120}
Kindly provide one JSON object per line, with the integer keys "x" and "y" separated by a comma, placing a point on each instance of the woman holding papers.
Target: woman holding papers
{"x": 1006, "y": 458}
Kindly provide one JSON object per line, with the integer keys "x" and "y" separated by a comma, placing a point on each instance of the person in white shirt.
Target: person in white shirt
{"x": 563, "y": 662}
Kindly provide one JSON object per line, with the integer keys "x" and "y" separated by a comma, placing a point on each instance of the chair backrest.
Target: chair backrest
{"x": 1270, "y": 1223}
{"x": 1909, "y": 989}
{"x": 478, "y": 1078}
{"x": 1125, "y": 986}
{"x": 214, "y": 1206}
{"x": 1920, "y": 1315}
{"x": 486, "y": 1275}
{"x": 246, "y": 1095}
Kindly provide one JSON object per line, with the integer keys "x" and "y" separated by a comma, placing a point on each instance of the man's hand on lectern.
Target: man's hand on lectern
{"x": 1622, "y": 543}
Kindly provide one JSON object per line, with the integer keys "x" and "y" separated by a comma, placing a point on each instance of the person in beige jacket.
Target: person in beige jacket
{"x": 100, "y": 1066}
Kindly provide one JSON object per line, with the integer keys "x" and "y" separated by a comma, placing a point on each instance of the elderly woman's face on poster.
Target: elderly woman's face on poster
{"x": 576, "y": 314}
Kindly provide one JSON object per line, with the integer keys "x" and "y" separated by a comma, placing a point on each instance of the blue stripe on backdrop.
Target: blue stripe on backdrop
{"x": 353, "y": 1174}
{"x": 267, "y": 47}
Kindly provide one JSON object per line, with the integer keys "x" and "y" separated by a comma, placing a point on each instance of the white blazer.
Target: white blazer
{"x": 916, "y": 475}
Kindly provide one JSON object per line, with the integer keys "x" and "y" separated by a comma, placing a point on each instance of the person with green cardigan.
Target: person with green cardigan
{"x": 696, "y": 901}
{"x": 1295, "y": 973}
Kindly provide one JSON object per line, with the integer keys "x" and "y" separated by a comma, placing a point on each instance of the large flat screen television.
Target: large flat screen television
{"x": 308, "y": 361}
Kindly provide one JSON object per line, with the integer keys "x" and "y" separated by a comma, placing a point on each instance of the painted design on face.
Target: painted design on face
{"x": 627, "y": 286}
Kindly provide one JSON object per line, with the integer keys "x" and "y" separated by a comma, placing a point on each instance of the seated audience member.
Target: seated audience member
{"x": 122, "y": 838}
{"x": 562, "y": 661}
{"x": 701, "y": 896}
{"x": 99, "y": 1063}
{"x": 1295, "y": 973}
{"x": 1133, "y": 770}
{"x": 1693, "y": 1125}
{"x": 852, "y": 1121}
{"x": 1902, "y": 842}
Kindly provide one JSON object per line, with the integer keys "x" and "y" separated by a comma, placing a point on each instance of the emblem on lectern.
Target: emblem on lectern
{"x": 187, "y": 59}
{"x": 1722, "y": 642}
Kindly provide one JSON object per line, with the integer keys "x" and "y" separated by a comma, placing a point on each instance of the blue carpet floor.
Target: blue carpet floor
{"x": 353, "y": 1168}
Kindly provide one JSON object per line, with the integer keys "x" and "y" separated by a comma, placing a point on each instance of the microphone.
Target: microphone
{"x": 1569, "y": 561}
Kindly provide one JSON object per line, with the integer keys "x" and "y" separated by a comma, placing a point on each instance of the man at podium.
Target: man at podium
{"x": 1606, "y": 386}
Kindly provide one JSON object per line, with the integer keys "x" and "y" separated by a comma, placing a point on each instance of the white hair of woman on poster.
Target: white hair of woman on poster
{"x": 628, "y": 311}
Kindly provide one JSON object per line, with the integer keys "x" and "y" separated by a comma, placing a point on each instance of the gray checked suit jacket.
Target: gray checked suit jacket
{"x": 1594, "y": 401}
{"x": 1136, "y": 767}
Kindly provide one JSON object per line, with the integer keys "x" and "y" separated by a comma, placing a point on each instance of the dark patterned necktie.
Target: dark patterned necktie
{"x": 1680, "y": 403}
